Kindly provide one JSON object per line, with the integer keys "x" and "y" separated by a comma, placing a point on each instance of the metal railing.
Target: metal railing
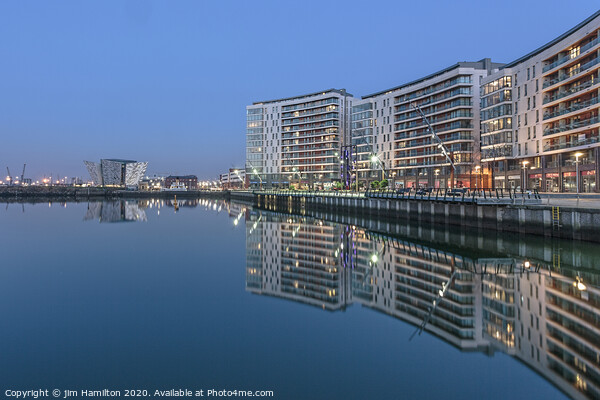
{"x": 464, "y": 195}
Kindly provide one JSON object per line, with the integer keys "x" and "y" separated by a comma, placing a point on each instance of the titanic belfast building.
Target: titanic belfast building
{"x": 114, "y": 172}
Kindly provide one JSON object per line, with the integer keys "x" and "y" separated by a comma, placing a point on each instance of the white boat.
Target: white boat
{"x": 175, "y": 187}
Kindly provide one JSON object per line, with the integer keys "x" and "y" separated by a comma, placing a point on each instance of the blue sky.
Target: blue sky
{"x": 168, "y": 81}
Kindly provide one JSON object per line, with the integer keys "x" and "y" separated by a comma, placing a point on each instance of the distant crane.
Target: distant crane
{"x": 23, "y": 174}
{"x": 9, "y": 177}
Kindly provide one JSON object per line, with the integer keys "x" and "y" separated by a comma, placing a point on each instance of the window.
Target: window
{"x": 525, "y": 92}
{"x": 574, "y": 52}
{"x": 533, "y": 102}
{"x": 529, "y": 133}
{"x": 526, "y": 152}
{"x": 528, "y": 103}
{"x": 533, "y": 71}
{"x": 537, "y": 85}
{"x": 537, "y": 118}
{"x": 525, "y": 119}
{"x": 519, "y": 148}
{"x": 528, "y": 77}
{"x": 519, "y": 92}
{"x": 534, "y": 131}
{"x": 537, "y": 146}
{"x": 519, "y": 121}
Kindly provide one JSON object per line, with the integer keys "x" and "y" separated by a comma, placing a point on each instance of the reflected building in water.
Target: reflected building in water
{"x": 539, "y": 310}
{"x": 115, "y": 211}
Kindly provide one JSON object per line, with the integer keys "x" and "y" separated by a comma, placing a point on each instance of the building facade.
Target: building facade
{"x": 297, "y": 141}
{"x": 403, "y": 117}
{"x": 115, "y": 172}
{"x": 540, "y": 115}
{"x": 533, "y": 123}
{"x": 189, "y": 181}
{"x": 235, "y": 178}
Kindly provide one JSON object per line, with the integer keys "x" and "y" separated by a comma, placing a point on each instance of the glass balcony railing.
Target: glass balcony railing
{"x": 571, "y": 91}
{"x": 572, "y": 125}
{"x": 564, "y": 59}
{"x": 572, "y": 73}
{"x": 433, "y": 89}
{"x": 418, "y": 124}
{"x": 453, "y": 104}
{"x": 569, "y": 144}
{"x": 310, "y": 105}
{"x": 574, "y": 107}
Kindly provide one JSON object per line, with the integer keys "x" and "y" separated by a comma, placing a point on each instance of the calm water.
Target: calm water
{"x": 128, "y": 295}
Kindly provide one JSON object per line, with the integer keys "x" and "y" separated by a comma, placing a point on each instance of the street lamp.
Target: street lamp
{"x": 375, "y": 160}
{"x": 437, "y": 173}
{"x": 255, "y": 172}
{"x": 524, "y": 186}
{"x": 477, "y": 172}
{"x": 577, "y": 155}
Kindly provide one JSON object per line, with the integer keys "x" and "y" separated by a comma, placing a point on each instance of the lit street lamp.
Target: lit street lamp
{"x": 577, "y": 155}
{"x": 524, "y": 186}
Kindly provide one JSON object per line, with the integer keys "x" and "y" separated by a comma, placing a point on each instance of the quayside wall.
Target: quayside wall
{"x": 563, "y": 222}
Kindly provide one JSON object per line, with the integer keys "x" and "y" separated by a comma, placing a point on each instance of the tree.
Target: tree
{"x": 375, "y": 185}
{"x": 383, "y": 184}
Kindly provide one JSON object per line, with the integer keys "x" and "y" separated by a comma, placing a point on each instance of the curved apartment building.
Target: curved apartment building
{"x": 540, "y": 123}
{"x": 533, "y": 123}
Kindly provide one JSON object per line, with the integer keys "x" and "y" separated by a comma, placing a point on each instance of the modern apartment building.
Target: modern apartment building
{"x": 297, "y": 140}
{"x": 403, "y": 142}
{"x": 539, "y": 113}
{"x": 533, "y": 123}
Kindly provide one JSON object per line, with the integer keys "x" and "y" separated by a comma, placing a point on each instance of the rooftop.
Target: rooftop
{"x": 553, "y": 42}
{"x": 322, "y": 92}
{"x": 485, "y": 63}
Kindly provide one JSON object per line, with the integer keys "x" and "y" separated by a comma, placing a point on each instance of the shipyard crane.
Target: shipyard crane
{"x": 9, "y": 177}
{"x": 23, "y": 174}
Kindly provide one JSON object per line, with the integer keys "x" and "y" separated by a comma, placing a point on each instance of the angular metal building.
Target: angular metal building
{"x": 114, "y": 172}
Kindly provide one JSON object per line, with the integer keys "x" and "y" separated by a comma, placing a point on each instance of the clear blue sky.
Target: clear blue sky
{"x": 168, "y": 81}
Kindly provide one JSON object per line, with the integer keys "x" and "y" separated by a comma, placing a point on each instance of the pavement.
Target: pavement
{"x": 585, "y": 200}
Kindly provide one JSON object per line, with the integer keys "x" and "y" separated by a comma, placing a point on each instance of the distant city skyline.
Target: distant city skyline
{"x": 169, "y": 82}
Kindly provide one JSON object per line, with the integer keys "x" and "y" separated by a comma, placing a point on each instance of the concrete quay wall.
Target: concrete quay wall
{"x": 568, "y": 223}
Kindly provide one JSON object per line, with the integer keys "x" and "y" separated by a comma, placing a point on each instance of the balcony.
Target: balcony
{"x": 304, "y": 120}
{"x": 573, "y": 90}
{"x": 570, "y": 144}
{"x": 440, "y": 120}
{"x": 436, "y": 88}
{"x": 571, "y": 73}
{"x": 564, "y": 59}
{"x": 573, "y": 108}
{"x": 453, "y": 104}
{"x": 310, "y": 104}
{"x": 573, "y": 125}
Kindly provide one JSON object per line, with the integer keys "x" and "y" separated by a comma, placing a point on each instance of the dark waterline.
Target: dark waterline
{"x": 170, "y": 301}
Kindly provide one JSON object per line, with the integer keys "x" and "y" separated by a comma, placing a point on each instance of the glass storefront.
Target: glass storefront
{"x": 588, "y": 181}
{"x": 534, "y": 181}
{"x": 552, "y": 184}
{"x": 569, "y": 182}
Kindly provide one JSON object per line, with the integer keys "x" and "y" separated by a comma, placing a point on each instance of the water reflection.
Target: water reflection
{"x": 115, "y": 211}
{"x": 135, "y": 210}
{"x": 534, "y": 300}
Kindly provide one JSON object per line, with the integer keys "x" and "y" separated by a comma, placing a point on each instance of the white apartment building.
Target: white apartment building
{"x": 533, "y": 123}
{"x": 540, "y": 122}
{"x": 402, "y": 140}
{"x": 297, "y": 140}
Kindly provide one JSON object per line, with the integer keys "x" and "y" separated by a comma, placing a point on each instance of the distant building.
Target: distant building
{"x": 153, "y": 184}
{"x": 235, "y": 178}
{"x": 114, "y": 172}
{"x": 190, "y": 181}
